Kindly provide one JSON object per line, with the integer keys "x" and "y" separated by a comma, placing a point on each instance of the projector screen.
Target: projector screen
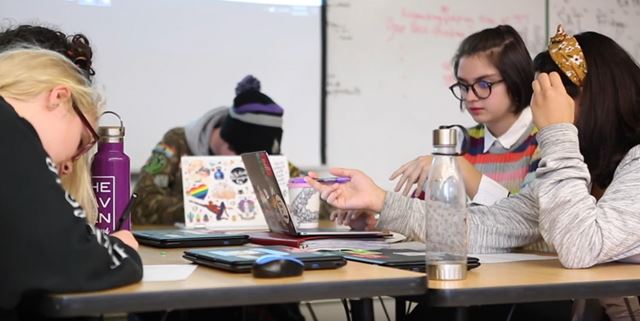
{"x": 163, "y": 63}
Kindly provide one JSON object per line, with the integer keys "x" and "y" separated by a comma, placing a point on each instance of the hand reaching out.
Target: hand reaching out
{"x": 413, "y": 172}
{"x": 360, "y": 193}
{"x": 356, "y": 219}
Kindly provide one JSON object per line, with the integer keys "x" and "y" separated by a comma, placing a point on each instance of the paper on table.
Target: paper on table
{"x": 354, "y": 243}
{"x": 167, "y": 272}
{"x": 511, "y": 257}
{"x": 484, "y": 258}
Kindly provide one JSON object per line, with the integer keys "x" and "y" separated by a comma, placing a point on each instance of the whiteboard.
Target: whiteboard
{"x": 163, "y": 63}
{"x": 389, "y": 69}
{"x": 619, "y": 20}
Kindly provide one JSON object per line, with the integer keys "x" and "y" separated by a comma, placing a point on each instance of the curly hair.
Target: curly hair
{"x": 75, "y": 47}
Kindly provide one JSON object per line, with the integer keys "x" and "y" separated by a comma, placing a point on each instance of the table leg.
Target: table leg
{"x": 362, "y": 309}
{"x": 401, "y": 309}
{"x": 461, "y": 314}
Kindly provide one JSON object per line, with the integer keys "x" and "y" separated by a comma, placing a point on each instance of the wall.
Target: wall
{"x": 618, "y": 19}
{"x": 163, "y": 63}
{"x": 389, "y": 69}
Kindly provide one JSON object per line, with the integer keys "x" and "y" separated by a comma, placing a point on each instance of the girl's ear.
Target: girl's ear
{"x": 58, "y": 95}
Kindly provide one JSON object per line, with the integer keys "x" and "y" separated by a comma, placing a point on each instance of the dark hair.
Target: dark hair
{"x": 543, "y": 63}
{"x": 75, "y": 47}
{"x": 506, "y": 50}
{"x": 608, "y": 117}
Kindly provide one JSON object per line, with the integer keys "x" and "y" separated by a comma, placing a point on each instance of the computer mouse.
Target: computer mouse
{"x": 276, "y": 266}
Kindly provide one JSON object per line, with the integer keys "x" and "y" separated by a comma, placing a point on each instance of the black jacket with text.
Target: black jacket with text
{"x": 46, "y": 245}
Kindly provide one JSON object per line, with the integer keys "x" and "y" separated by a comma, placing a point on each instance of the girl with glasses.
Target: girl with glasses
{"x": 585, "y": 199}
{"x": 46, "y": 107}
{"x": 75, "y": 174}
{"x": 493, "y": 70}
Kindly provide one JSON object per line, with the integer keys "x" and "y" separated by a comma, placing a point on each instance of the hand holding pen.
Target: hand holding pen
{"x": 360, "y": 192}
{"x": 125, "y": 236}
{"x": 323, "y": 180}
{"x": 332, "y": 180}
{"x": 127, "y": 212}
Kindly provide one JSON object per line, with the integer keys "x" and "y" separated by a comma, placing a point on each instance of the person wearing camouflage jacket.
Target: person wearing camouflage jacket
{"x": 253, "y": 123}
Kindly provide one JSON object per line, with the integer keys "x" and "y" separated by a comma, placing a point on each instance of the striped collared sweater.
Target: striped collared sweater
{"x": 511, "y": 167}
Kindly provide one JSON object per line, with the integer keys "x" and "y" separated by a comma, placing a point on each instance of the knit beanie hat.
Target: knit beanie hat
{"x": 254, "y": 122}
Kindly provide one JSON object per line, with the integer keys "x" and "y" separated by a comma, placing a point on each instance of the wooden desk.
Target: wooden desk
{"x": 208, "y": 287}
{"x": 527, "y": 281}
{"x": 534, "y": 281}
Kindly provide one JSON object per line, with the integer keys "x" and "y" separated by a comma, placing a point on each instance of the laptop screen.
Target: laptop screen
{"x": 268, "y": 192}
{"x": 217, "y": 193}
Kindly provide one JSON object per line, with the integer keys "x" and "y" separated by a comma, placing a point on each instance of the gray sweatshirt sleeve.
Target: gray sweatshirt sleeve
{"x": 585, "y": 232}
{"x": 510, "y": 223}
{"x": 404, "y": 215}
{"x": 557, "y": 205}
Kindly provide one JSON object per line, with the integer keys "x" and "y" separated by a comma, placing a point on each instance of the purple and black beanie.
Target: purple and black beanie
{"x": 254, "y": 122}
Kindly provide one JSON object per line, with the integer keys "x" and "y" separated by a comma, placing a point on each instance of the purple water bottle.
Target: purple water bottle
{"x": 111, "y": 178}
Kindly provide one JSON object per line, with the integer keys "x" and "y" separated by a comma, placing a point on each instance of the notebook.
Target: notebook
{"x": 217, "y": 193}
{"x": 407, "y": 259}
{"x": 188, "y": 238}
{"x": 241, "y": 258}
{"x": 270, "y": 198}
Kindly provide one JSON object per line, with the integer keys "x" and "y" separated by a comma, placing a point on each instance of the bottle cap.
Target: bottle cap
{"x": 111, "y": 131}
{"x": 447, "y": 270}
{"x": 111, "y": 134}
{"x": 445, "y": 137}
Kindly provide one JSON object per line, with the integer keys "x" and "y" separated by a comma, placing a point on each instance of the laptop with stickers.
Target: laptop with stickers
{"x": 217, "y": 193}
{"x": 273, "y": 203}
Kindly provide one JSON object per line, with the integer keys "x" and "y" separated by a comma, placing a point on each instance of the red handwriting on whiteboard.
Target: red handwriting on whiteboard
{"x": 445, "y": 23}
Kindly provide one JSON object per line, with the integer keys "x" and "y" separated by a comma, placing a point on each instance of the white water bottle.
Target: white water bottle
{"x": 446, "y": 254}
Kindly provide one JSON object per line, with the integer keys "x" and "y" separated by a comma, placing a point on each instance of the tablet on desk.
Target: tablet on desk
{"x": 407, "y": 259}
{"x": 173, "y": 238}
{"x": 241, "y": 258}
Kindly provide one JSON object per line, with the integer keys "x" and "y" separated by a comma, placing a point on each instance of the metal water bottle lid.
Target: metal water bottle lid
{"x": 446, "y": 271}
{"x": 445, "y": 137}
{"x": 111, "y": 134}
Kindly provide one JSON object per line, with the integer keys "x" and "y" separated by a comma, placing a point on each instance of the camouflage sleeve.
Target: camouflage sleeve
{"x": 295, "y": 171}
{"x": 160, "y": 185}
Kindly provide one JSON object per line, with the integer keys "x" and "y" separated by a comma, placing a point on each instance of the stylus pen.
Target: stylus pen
{"x": 324, "y": 180}
{"x": 127, "y": 211}
{"x": 331, "y": 180}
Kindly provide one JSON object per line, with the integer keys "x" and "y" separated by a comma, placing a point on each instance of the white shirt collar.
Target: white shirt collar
{"x": 513, "y": 134}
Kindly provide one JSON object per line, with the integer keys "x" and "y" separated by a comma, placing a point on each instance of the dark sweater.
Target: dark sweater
{"x": 46, "y": 245}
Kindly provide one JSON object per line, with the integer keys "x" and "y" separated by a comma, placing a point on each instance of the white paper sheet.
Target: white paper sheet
{"x": 511, "y": 257}
{"x": 167, "y": 272}
{"x": 484, "y": 258}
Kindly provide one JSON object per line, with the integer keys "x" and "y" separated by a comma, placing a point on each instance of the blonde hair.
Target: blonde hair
{"x": 78, "y": 184}
{"x": 30, "y": 71}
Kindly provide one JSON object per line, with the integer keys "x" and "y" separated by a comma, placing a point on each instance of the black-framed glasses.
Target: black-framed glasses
{"x": 85, "y": 144}
{"x": 481, "y": 88}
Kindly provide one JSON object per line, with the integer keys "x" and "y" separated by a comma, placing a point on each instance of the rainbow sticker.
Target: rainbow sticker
{"x": 199, "y": 191}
